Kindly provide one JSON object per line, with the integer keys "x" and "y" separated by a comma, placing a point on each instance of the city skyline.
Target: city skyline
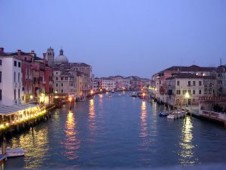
{"x": 119, "y": 37}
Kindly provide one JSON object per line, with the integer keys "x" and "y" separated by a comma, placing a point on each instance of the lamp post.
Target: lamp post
{"x": 187, "y": 96}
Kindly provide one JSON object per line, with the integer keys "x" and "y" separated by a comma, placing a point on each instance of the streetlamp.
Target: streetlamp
{"x": 42, "y": 98}
{"x": 187, "y": 96}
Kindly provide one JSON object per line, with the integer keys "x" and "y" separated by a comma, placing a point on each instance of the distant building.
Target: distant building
{"x": 71, "y": 78}
{"x": 120, "y": 83}
{"x": 61, "y": 58}
{"x": 49, "y": 56}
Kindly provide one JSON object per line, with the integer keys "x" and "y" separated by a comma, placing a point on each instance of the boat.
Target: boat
{"x": 171, "y": 116}
{"x": 134, "y": 94}
{"x": 14, "y": 152}
{"x": 163, "y": 114}
{"x": 177, "y": 114}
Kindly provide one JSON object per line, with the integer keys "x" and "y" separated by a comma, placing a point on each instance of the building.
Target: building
{"x": 36, "y": 75}
{"x": 221, "y": 80}
{"x": 71, "y": 78}
{"x": 49, "y": 56}
{"x": 185, "y": 89}
{"x": 64, "y": 82}
{"x": 10, "y": 79}
{"x": 159, "y": 89}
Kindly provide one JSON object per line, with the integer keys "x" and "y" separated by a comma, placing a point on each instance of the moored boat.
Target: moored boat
{"x": 14, "y": 152}
{"x": 163, "y": 114}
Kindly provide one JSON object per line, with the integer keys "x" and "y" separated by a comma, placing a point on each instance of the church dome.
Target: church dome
{"x": 61, "y": 58}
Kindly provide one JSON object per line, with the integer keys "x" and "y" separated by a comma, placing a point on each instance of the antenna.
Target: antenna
{"x": 220, "y": 61}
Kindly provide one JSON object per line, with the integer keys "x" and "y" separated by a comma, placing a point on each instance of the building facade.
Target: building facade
{"x": 10, "y": 79}
{"x": 72, "y": 78}
{"x": 186, "y": 89}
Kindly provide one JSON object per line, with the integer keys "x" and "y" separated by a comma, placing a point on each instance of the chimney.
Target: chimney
{"x": 44, "y": 56}
{"x": 1, "y": 50}
{"x": 18, "y": 52}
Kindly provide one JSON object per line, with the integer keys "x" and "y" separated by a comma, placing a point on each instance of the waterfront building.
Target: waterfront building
{"x": 72, "y": 78}
{"x": 108, "y": 84}
{"x": 221, "y": 80}
{"x": 96, "y": 84}
{"x": 10, "y": 79}
{"x": 159, "y": 89}
{"x": 35, "y": 73}
{"x": 185, "y": 89}
{"x": 64, "y": 82}
{"x": 121, "y": 82}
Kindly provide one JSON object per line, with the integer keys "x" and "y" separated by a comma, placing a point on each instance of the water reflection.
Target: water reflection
{"x": 187, "y": 147}
{"x": 92, "y": 122}
{"x": 144, "y": 129}
{"x": 71, "y": 143}
{"x": 34, "y": 143}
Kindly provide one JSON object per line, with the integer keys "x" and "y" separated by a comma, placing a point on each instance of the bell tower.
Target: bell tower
{"x": 50, "y": 56}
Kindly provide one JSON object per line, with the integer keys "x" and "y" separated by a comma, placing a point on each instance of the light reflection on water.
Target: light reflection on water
{"x": 186, "y": 144}
{"x": 144, "y": 128}
{"x": 71, "y": 143}
{"x": 92, "y": 122}
{"x": 34, "y": 143}
{"x": 118, "y": 132}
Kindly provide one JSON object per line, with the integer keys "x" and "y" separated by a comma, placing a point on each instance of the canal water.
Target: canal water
{"x": 118, "y": 131}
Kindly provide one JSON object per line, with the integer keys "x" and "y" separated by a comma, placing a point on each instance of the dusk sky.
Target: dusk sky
{"x": 119, "y": 37}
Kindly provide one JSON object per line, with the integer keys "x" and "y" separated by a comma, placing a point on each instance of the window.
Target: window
{"x": 184, "y": 91}
{"x": 19, "y": 93}
{"x": 0, "y": 94}
{"x": 178, "y": 83}
{"x": 56, "y": 85}
{"x": 0, "y": 62}
{"x": 14, "y": 94}
{"x": 0, "y": 76}
{"x": 14, "y": 77}
{"x": 62, "y": 91}
{"x": 193, "y": 83}
{"x": 193, "y": 91}
{"x": 189, "y": 91}
{"x": 15, "y": 63}
{"x": 56, "y": 78}
{"x": 18, "y": 77}
{"x": 62, "y": 78}
{"x": 62, "y": 84}
{"x": 19, "y": 63}
{"x": 200, "y": 91}
{"x": 200, "y": 83}
{"x": 178, "y": 91}
{"x": 189, "y": 83}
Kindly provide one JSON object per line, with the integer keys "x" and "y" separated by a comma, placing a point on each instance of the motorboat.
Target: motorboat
{"x": 163, "y": 114}
{"x": 14, "y": 152}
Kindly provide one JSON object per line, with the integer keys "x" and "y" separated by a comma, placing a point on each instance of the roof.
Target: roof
{"x": 7, "y": 110}
{"x": 189, "y": 76}
{"x": 191, "y": 68}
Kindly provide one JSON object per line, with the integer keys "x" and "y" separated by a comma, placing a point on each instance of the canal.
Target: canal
{"x": 118, "y": 132}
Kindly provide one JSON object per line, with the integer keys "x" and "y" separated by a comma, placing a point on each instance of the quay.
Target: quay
{"x": 18, "y": 117}
{"x": 198, "y": 111}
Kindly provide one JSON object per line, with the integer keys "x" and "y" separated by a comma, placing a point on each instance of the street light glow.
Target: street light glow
{"x": 187, "y": 95}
